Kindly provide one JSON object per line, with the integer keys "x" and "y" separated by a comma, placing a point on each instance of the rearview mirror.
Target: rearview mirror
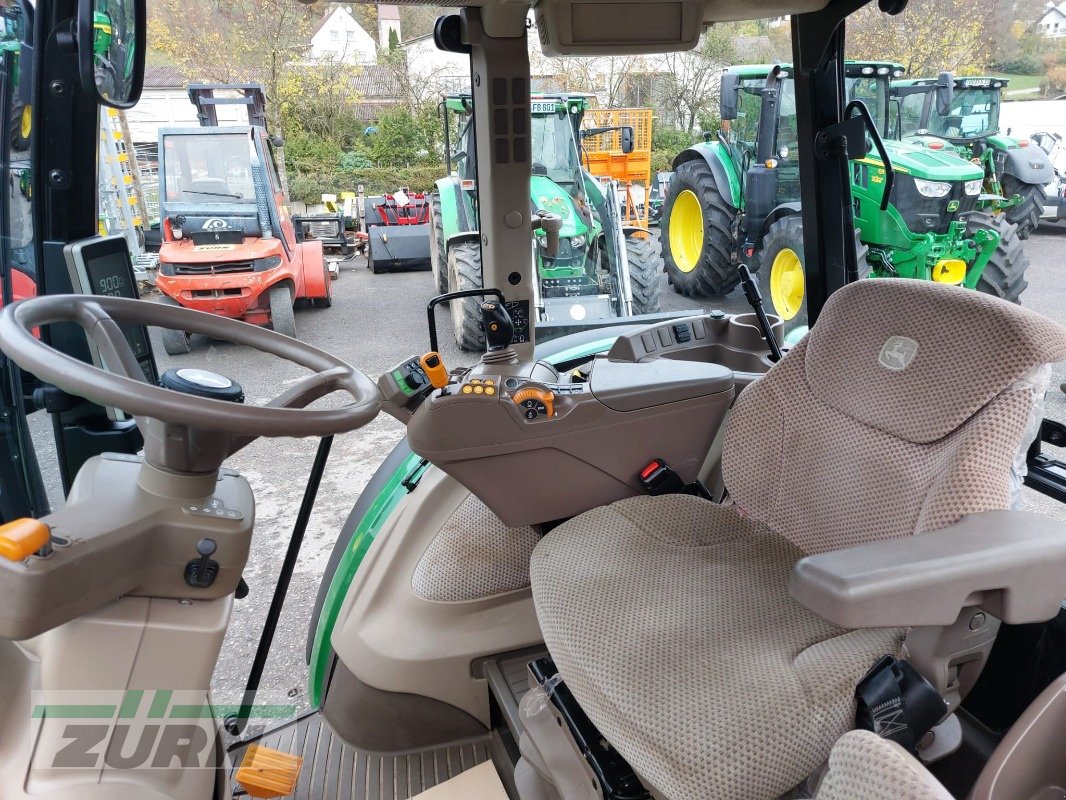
{"x": 626, "y": 134}
{"x": 945, "y": 93}
{"x": 730, "y": 95}
{"x": 111, "y": 46}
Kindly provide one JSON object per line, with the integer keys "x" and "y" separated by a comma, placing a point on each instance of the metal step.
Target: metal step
{"x": 332, "y": 770}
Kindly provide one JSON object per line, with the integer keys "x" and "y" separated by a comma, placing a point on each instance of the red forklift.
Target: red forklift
{"x": 230, "y": 245}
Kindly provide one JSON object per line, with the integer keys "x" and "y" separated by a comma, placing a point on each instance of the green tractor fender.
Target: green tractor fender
{"x": 457, "y": 208}
{"x": 716, "y": 156}
{"x": 1028, "y": 164}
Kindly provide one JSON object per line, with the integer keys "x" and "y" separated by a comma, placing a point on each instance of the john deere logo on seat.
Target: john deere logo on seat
{"x": 897, "y": 353}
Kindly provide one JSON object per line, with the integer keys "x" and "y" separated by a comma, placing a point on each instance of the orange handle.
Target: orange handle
{"x": 533, "y": 393}
{"x": 22, "y": 538}
{"x": 433, "y": 366}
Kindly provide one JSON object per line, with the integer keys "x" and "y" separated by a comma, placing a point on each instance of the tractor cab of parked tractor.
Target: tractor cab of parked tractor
{"x": 967, "y": 119}
{"x": 656, "y": 560}
{"x": 600, "y": 269}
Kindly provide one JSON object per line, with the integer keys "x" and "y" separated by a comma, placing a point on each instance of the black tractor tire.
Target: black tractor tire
{"x": 1026, "y": 215}
{"x": 464, "y": 272}
{"x": 175, "y": 343}
{"x": 715, "y": 273}
{"x": 438, "y": 253}
{"x": 1004, "y": 274}
{"x": 787, "y": 233}
{"x": 282, "y": 315}
{"x": 645, "y": 274}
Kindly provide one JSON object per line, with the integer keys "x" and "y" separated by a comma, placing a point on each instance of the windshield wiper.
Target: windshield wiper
{"x": 214, "y": 194}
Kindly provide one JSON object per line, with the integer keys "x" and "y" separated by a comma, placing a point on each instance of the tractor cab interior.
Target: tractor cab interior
{"x": 651, "y": 561}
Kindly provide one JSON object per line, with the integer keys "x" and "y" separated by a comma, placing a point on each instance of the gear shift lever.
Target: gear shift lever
{"x": 498, "y": 326}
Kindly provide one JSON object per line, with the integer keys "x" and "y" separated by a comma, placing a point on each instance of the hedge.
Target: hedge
{"x": 308, "y": 187}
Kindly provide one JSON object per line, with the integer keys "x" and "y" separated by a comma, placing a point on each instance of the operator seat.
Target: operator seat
{"x": 904, "y": 409}
{"x": 863, "y": 766}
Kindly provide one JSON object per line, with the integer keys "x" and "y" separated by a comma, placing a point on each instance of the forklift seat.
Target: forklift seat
{"x": 908, "y": 406}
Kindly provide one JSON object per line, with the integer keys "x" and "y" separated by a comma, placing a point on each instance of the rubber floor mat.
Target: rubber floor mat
{"x": 332, "y": 770}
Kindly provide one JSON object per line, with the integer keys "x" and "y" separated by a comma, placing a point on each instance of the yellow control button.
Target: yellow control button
{"x": 489, "y": 390}
{"x": 490, "y": 382}
{"x": 475, "y": 380}
{"x": 468, "y": 389}
{"x": 22, "y": 538}
{"x": 479, "y": 389}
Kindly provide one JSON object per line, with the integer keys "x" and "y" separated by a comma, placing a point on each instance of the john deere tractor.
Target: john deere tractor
{"x": 602, "y": 270}
{"x": 736, "y": 200}
{"x": 1014, "y": 168}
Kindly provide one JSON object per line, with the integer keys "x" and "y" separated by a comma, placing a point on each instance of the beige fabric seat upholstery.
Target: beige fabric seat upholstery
{"x": 670, "y": 618}
{"x": 863, "y": 766}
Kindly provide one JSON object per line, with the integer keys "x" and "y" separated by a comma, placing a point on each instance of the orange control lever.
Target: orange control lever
{"x": 433, "y": 366}
{"x": 22, "y": 538}
{"x": 533, "y": 393}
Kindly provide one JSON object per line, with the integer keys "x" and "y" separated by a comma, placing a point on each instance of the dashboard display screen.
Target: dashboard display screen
{"x": 110, "y": 275}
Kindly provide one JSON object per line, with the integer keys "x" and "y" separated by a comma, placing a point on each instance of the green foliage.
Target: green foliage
{"x": 394, "y": 39}
{"x": 308, "y": 187}
{"x": 1021, "y": 64}
{"x": 404, "y": 139}
{"x": 667, "y": 142}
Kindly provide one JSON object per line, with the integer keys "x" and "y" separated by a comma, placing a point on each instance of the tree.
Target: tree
{"x": 239, "y": 41}
{"x": 692, "y": 80}
{"x": 930, "y": 35}
{"x": 394, "y": 39}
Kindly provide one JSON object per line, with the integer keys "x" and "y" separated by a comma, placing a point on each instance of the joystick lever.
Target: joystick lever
{"x": 499, "y": 330}
{"x": 201, "y": 572}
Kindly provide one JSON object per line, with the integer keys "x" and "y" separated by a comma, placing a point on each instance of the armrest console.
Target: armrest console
{"x": 1011, "y": 564}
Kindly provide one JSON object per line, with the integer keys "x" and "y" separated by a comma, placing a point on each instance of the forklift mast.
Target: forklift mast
{"x": 202, "y": 95}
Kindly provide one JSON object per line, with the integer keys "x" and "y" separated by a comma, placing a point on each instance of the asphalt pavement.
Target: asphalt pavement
{"x": 375, "y": 322}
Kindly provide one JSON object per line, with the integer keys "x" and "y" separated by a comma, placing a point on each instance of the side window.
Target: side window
{"x": 272, "y": 168}
{"x": 745, "y": 128}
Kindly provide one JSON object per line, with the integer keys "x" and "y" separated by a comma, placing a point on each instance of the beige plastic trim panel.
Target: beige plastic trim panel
{"x": 1011, "y": 564}
{"x": 133, "y": 643}
{"x": 391, "y": 639}
{"x": 1028, "y": 764}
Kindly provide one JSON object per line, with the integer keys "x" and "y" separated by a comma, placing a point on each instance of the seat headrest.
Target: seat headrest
{"x": 916, "y": 359}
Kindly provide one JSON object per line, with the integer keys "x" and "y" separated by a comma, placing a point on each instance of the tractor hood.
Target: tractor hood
{"x": 547, "y": 195}
{"x": 919, "y": 161}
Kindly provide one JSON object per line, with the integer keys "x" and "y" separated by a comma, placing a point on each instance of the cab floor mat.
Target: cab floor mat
{"x": 332, "y": 770}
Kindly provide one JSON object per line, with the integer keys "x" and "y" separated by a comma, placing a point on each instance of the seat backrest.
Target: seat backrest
{"x": 905, "y": 408}
{"x": 863, "y": 766}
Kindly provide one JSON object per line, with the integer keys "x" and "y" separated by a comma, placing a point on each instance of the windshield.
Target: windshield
{"x": 554, "y": 151}
{"x": 974, "y": 113}
{"x": 201, "y": 168}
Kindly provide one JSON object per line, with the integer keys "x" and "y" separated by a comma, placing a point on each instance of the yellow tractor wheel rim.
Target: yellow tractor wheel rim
{"x": 786, "y": 283}
{"x": 27, "y": 122}
{"x": 686, "y": 231}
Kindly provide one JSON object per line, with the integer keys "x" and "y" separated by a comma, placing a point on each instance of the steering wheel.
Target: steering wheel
{"x": 123, "y": 385}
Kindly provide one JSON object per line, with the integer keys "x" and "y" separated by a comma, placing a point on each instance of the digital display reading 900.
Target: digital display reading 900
{"x": 110, "y": 275}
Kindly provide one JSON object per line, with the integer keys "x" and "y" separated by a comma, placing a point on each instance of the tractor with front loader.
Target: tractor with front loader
{"x": 1015, "y": 168}
{"x": 737, "y": 200}
{"x": 230, "y": 246}
{"x": 602, "y": 269}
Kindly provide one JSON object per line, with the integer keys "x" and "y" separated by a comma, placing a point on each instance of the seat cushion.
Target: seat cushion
{"x": 670, "y": 620}
{"x": 863, "y": 766}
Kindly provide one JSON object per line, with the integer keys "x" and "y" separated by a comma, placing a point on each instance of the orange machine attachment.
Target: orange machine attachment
{"x": 265, "y": 772}
{"x": 604, "y": 157}
{"x": 22, "y": 538}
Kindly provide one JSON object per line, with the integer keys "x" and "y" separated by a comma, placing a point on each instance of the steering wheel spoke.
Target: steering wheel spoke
{"x": 110, "y": 341}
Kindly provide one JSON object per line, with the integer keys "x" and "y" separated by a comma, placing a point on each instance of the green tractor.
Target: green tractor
{"x": 1017, "y": 169}
{"x": 602, "y": 269}
{"x": 737, "y": 200}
